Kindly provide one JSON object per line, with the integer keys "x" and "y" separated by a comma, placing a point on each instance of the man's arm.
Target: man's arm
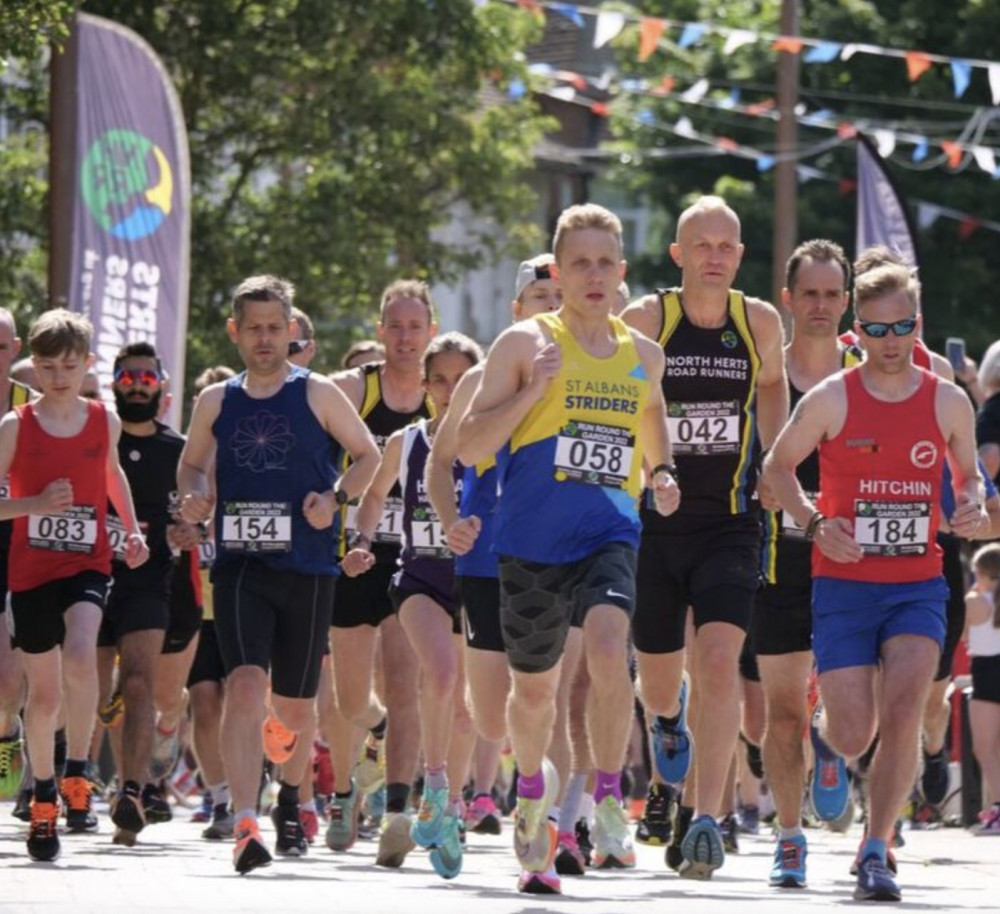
{"x": 460, "y": 533}
{"x": 352, "y": 383}
{"x": 55, "y": 498}
{"x": 517, "y": 372}
{"x": 657, "y": 451}
{"x": 645, "y": 315}
{"x": 359, "y": 557}
{"x": 957, "y": 422}
{"x": 198, "y": 457}
{"x": 120, "y": 494}
{"x": 772, "y": 384}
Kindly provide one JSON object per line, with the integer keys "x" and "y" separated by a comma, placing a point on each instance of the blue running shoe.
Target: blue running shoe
{"x": 875, "y": 882}
{"x": 702, "y": 849}
{"x": 789, "y": 870}
{"x": 426, "y": 829}
{"x": 829, "y": 789}
{"x": 446, "y": 855}
{"x": 672, "y": 744}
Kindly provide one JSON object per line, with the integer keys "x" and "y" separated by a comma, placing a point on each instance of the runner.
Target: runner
{"x": 269, "y": 433}
{"x": 61, "y": 452}
{"x": 570, "y": 402}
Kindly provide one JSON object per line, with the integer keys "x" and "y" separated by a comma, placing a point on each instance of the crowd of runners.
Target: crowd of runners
{"x": 436, "y": 588}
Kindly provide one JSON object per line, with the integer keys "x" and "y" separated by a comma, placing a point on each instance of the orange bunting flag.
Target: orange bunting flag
{"x": 650, "y": 31}
{"x": 847, "y": 186}
{"x": 786, "y": 43}
{"x": 724, "y": 142}
{"x": 967, "y": 227}
{"x": 600, "y": 109}
{"x": 917, "y": 64}
{"x": 954, "y": 153}
{"x": 759, "y": 108}
{"x": 666, "y": 86}
{"x": 578, "y": 82}
{"x": 846, "y": 131}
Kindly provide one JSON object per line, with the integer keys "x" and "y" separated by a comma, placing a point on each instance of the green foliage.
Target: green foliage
{"x": 330, "y": 141}
{"x": 28, "y": 25}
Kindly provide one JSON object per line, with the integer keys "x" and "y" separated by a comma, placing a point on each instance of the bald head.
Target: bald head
{"x": 707, "y": 207}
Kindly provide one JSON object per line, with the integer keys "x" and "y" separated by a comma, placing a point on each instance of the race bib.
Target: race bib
{"x": 704, "y": 428}
{"x": 892, "y": 528}
{"x": 390, "y": 525}
{"x": 117, "y": 536}
{"x": 257, "y": 526}
{"x": 599, "y": 455}
{"x": 791, "y": 529}
{"x": 206, "y": 553}
{"x": 75, "y": 530}
{"x": 427, "y": 535}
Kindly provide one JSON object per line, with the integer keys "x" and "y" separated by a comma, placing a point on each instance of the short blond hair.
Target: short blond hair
{"x": 586, "y": 216}
{"x": 884, "y": 280}
{"x": 407, "y": 288}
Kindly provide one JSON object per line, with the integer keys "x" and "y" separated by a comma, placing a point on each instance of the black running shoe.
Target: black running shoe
{"x": 934, "y": 781}
{"x": 22, "y": 808}
{"x": 730, "y": 828}
{"x": 583, "y": 840}
{"x": 291, "y": 840}
{"x": 755, "y": 761}
{"x": 655, "y": 826}
{"x": 127, "y": 810}
{"x": 155, "y": 804}
{"x": 682, "y": 822}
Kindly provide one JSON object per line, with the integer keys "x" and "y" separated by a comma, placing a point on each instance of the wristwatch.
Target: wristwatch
{"x": 340, "y": 497}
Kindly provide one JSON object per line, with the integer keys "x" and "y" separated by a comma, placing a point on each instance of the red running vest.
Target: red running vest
{"x": 51, "y": 547}
{"x": 883, "y": 472}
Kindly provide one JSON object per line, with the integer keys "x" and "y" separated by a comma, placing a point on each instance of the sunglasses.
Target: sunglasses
{"x": 878, "y": 330}
{"x": 297, "y": 346}
{"x": 128, "y": 377}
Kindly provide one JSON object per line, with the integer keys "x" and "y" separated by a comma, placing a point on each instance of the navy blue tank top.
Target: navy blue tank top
{"x": 424, "y": 554}
{"x": 479, "y": 498}
{"x": 271, "y": 453}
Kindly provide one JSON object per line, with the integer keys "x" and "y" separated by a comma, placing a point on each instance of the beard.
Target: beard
{"x": 137, "y": 410}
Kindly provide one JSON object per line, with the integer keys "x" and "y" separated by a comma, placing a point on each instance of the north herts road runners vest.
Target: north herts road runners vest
{"x": 270, "y": 454}
{"x": 479, "y": 498}
{"x": 710, "y": 388}
{"x": 570, "y": 474}
{"x": 787, "y": 556}
{"x": 50, "y": 547}
{"x": 382, "y": 422}
{"x": 883, "y": 472}
{"x": 424, "y": 553}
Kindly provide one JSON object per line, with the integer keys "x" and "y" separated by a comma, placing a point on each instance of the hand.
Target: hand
{"x": 462, "y": 534}
{"x": 319, "y": 510}
{"x": 766, "y": 494}
{"x": 196, "y": 509}
{"x": 136, "y": 550}
{"x": 835, "y": 538}
{"x": 546, "y": 365}
{"x": 666, "y": 493}
{"x": 968, "y": 372}
{"x": 55, "y": 498}
{"x": 970, "y": 520}
{"x": 182, "y": 536}
{"x": 356, "y": 562}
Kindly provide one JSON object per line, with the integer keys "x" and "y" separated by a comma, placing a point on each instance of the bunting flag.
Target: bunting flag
{"x": 824, "y": 52}
{"x": 916, "y": 65}
{"x": 882, "y": 217}
{"x": 737, "y": 39}
{"x": 786, "y": 43}
{"x": 954, "y": 152}
{"x": 650, "y": 32}
{"x": 691, "y": 35}
{"x": 608, "y": 27}
{"x": 961, "y": 76}
{"x": 130, "y": 233}
{"x": 993, "y": 72}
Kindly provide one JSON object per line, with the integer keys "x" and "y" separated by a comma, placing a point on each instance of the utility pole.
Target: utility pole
{"x": 786, "y": 224}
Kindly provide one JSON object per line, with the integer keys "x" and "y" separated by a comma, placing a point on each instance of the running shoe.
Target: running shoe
{"x": 989, "y": 823}
{"x": 373, "y": 809}
{"x": 43, "y": 841}
{"x": 535, "y": 837}
{"x": 369, "y": 771}
{"x": 279, "y": 741}
{"x": 22, "y": 808}
{"x": 11, "y": 763}
{"x": 844, "y": 822}
{"x": 829, "y": 788}
{"x": 426, "y": 828}
{"x": 569, "y": 858}
{"x": 250, "y": 852}
{"x": 394, "y": 841}
{"x": 155, "y": 804}
{"x": 483, "y": 816}
{"x": 342, "y": 831}
{"x": 730, "y": 829}
{"x": 702, "y": 849}
{"x": 875, "y": 881}
{"x": 446, "y": 855}
{"x": 934, "y": 781}
{"x": 655, "y": 827}
{"x": 309, "y": 820}
{"x": 672, "y": 743}
{"x": 582, "y": 832}
{"x": 682, "y": 822}
{"x": 77, "y": 793}
{"x": 755, "y": 761}
{"x": 789, "y": 869}
{"x": 890, "y": 858}
{"x": 127, "y": 812}
{"x": 291, "y": 839}
{"x": 547, "y": 883}
{"x": 323, "y": 769}
{"x": 223, "y": 824}
{"x": 204, "y": 812}
{"x": 166, "y": 748}
{"x": 110, "y": 713}
{"x": 749, "y": 819}
{"x": 612, "y": 841}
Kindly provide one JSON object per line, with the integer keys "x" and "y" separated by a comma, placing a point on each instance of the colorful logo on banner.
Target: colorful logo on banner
{"x": 127, "y": 184}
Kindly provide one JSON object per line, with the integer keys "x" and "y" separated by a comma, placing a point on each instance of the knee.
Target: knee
{"x": 44, "y": 700}
{"x": 491, "y": 724}
{"x": 135, "y": 684}
{"x": 440, "y": 680}
{"x": 79, "y": 664}
{"x": 297, "y": 716}
{"x": 850, "y": 739}
{"x": 245, "y": 689}
{"x": 534, "y": 696}
{"x": 717, "y": 669}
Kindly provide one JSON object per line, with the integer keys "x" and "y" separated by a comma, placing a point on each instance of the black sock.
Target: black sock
{"x": 378, "y": 731}
{"x": 288, "y": 794}
{"x": 669, "y": 722}
{"x": 45, "y": 791}
{"x": 396, "y": 797}
{"x": 59, "y": 755}
{"x": 76, "y": 768}
{"x": 131, "y": 787}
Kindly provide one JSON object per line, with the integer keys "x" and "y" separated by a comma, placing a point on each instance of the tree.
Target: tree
{"x": 330, "y": 140}
{"x": 28, "y": 25}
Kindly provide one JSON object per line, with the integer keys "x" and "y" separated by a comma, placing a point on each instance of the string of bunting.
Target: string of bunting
{"x": 651, "y": 31}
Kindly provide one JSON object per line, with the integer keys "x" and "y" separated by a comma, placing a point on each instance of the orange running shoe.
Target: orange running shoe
{"x": 250, "y": 851}
{"x": 76, "y": 793}
{"x": 279, "y": 741}
{"x": 43, "y": 842}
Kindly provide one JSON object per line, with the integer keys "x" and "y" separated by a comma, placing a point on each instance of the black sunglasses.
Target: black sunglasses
{"x": 879, "y": 330}
{"x": 297, "y": 346}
